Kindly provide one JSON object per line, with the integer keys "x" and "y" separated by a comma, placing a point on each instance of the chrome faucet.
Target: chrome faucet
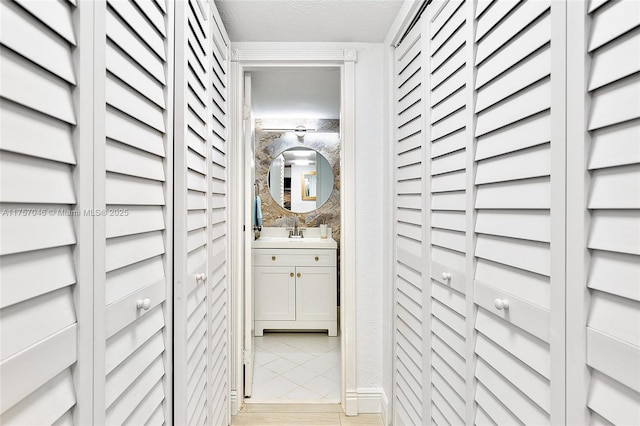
{"x": 295, "y": 232}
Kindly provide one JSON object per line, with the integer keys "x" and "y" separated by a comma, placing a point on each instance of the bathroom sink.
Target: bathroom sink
{"x": 278, "y": 238}
{"x": 285, "y": 242}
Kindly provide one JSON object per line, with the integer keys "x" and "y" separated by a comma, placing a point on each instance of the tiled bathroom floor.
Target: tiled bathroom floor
{"x": 296, "y": 367}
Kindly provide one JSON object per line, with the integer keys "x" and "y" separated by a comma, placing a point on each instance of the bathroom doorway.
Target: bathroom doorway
{"x": 280, "y": 120}
{"x": 292, "y": 137}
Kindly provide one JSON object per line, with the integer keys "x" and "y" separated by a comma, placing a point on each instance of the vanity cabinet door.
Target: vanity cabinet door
{"x": 315, "y": 293}
{"x": 275, "y": 293}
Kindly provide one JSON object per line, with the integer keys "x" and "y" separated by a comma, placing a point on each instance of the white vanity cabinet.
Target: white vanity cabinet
{"x": 295, "y": 289}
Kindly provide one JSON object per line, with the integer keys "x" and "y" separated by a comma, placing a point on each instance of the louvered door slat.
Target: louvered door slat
{"x": 512, "y": 370}
{"x": 23, "y": 131}
{"x": 518, "y": 48}
{"x": 39, "y": 350}
{"x": 127, "y": 130}
{"x": 493, "y": 13}
{"x": 136, "y": 20}
{"x": 39, "y": 407}
{"x": 493, "y": 408}
{"x": 148, "y": 406}
{"x": 153, "y": 14}
{"x": 443, "y": 405}
{"x": 452, "y": 398}
{"x": 612, "y": 21}
{"x": 615, "y": 60}
{"x": 59, "y": 351}
{"x": 134, "y": 75}
{"x": 121, "y": 378}
{"x": 454, "y": 16}
{"x": 516, "y": 403}
{"x": 481, "y": 7}
{"x": 55, "y": 15}
{"x": 519, "y": 18}
{"x": 129, "y": 42}
{"x": 23, "y": 33}
{"x": 45, "y": 93}
{"x": 120, "y": 411}
{"x": 613, "y": 337}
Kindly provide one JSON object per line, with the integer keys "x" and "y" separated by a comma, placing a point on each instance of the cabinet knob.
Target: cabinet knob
{"x": 298, "y": 274}
{"x": 501, "y": 304}
{"x": 317, "y": 258}
{"x": 273, "y": 258}
{"x": 201, "y": 277}
{"x": 143, "y": 304}
{"x": 291, "y": 274}
{"x": 446, "y": 276}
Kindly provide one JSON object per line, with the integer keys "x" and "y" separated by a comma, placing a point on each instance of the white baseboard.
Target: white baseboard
{"x": 369, "y": 400}
{"x": 386, "y": 409}
{"x": 233, "y": 401}
{"x": 351, "y": 403}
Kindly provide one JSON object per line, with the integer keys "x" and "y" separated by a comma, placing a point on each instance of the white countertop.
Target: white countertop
{"x": 278, "y": 238}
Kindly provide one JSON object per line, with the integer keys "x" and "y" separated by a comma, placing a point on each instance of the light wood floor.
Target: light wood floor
{"x": 300, "y": 414}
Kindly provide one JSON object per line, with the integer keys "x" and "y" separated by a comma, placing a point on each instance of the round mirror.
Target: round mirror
{"x": 300, "y": 180}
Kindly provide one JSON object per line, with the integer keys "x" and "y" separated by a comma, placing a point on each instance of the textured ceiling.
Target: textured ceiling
{"x": 365, "y": 21}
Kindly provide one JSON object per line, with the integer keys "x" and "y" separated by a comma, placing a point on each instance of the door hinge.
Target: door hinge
{"x": 244, "y": 228}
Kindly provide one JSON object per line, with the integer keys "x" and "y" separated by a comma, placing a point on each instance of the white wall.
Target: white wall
{"x": 369, "y": 207}
{"x": 370, "y": 152}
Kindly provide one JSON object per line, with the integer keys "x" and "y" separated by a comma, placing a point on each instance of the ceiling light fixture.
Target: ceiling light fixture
{"x": 300, "y": 129}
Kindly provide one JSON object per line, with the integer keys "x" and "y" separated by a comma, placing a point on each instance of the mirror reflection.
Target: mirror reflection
{"x": 308, "y": 185}
{"x": 300, "y": 180}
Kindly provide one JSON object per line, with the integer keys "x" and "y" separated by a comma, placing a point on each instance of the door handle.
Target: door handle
{"x": 291, "y": 274}
{"x": 143, "y": 304}
{"x": 501, "y": 304}
{"x": 299, "y": 275}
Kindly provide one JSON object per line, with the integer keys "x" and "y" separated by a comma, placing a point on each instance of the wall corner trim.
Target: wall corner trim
{"x": 385, "y": 408}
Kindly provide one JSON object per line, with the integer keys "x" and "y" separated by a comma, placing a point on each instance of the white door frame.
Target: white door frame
{"x": 250, "y": 59}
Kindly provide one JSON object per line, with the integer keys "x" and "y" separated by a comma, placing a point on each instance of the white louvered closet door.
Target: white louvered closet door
{"x": 518, "y": 240}
{"x": 410, "y": 346}
{"x": 449, "y": 134}
{"x": 201, "y": 389}
{"x": 613, "y": 280}
{"x": 192, "y": 176}
{"x": 134, "y": 184}
{"x": 218, "y": 281}
{"x": 38, "y": 159}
